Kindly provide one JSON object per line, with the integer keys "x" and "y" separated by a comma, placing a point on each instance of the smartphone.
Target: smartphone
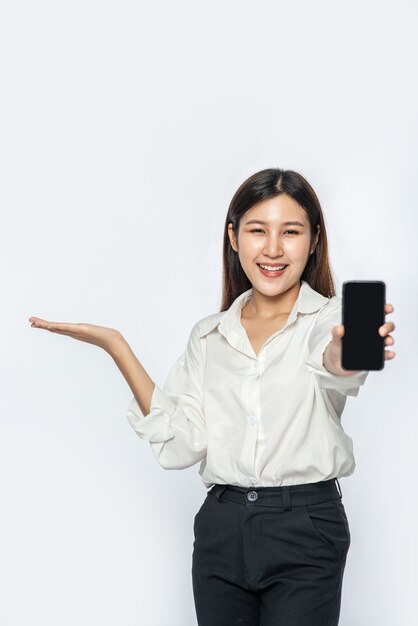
{"x": 363, "y": 312}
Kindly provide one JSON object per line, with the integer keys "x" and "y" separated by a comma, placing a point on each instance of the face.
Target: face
{"x": 270, "y": 241}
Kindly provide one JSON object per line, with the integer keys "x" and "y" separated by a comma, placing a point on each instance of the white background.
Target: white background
{"x": 126, "y": 127}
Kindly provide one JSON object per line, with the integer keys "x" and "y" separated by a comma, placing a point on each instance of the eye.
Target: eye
{"x": 259, "y": 230}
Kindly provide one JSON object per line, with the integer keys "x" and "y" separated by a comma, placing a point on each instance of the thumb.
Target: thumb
{"x": 338, "y": 332}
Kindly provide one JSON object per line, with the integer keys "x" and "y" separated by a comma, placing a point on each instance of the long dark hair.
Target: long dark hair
{"x": 261, "y": 186}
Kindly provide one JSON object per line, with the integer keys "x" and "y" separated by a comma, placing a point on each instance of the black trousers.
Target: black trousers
{"x": 270, "y": 556}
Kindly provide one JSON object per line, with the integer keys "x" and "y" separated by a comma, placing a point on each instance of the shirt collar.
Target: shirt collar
{"x": 308, "y": 301}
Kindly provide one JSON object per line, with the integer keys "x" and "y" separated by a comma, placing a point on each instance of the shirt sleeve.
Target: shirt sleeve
{"x": 175, "y": 426}
{"x": 320, "y": 336}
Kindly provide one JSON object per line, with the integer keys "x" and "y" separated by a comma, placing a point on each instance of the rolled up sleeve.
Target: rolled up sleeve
{"x": 320, "y": 336}
{"x": 175, "y": 426}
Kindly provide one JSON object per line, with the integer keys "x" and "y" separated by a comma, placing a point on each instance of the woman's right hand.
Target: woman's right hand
{"x": 90, "y": 333}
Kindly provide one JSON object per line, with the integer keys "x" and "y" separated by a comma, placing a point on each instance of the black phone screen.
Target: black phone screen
{"x": 363, "y": 312}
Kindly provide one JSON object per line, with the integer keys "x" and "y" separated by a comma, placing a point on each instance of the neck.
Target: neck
{"x": 266, "y": 307}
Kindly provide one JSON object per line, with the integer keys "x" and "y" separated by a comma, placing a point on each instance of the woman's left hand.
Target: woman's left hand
{"x": 334, "y": 348}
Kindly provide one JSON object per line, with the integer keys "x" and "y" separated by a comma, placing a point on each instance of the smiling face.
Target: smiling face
{"x": 269, "y": 240}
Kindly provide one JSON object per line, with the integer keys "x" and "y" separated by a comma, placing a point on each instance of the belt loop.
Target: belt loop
{"x": 339, "y": 488}
{"x": 220, "y": 491}
{"x": 286, "y": 498}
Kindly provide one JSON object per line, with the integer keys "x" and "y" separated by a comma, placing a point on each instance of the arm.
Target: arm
{"x": 142, "y": 386}
{"x": 331, "y": 361}
{"x": 324, "y": 345}
{"x": 332, "y": 353}
{"x": 171, "y": 418}
{"x": 324, "y": 353}
{"x": 112, "y": 341}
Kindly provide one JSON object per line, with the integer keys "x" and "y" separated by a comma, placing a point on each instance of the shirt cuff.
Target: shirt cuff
{"x": 154, "y": 427}
{"x": 348, "y": 385}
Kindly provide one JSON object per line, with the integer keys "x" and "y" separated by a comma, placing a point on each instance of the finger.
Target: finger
{"x": 389, "y": 355}
{"x": 386, "y": 328}
{"x": 338, "y": 332}
{"x": 389, "y": 308}
{"x": 41, "y": 323}
{"x": 46, "y": 324}
{"x": 38, "y": 321}
{"x": 389, "y": 340}
{"x": 57, "y": 327}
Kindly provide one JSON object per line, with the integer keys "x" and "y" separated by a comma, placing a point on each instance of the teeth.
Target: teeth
{"x": 272, "y": 269}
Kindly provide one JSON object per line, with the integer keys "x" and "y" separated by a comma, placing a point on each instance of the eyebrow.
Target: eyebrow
{"x": 294, "y": 223}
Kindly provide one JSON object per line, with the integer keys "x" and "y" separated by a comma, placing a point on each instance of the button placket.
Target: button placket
{"x": 250, "y": 395}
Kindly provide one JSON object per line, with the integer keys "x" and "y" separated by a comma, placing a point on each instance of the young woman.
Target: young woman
{"x": 257, "y": 398}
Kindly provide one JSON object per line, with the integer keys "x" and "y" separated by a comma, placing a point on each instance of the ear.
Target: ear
{"x": 231, "y": 236}
{"x": 316, "y": 239}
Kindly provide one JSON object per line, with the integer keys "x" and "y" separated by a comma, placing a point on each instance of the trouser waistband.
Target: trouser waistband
{"x": 285, "y": 496}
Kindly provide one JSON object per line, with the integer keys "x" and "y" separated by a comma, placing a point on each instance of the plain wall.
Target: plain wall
{"x": 126, "y": 128}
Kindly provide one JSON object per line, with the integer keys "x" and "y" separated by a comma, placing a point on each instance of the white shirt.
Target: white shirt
{"x": 265, "y": 420}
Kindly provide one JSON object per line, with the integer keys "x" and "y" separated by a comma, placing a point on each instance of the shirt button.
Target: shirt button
{"x": 252, "y": 496}
{"x": 252, "y": 419}
{"x": 253, "y": 482}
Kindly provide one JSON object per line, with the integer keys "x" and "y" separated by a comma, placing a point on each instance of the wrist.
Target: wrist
{"x": 115, "y": 344}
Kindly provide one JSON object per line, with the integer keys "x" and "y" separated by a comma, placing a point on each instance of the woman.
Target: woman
{"x": 257, "y": 398}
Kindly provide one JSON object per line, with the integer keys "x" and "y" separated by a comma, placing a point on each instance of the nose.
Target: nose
{"x": 273, "y": 247}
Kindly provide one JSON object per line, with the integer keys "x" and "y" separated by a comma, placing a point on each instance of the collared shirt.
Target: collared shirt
{"x": 266, "y": 419}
